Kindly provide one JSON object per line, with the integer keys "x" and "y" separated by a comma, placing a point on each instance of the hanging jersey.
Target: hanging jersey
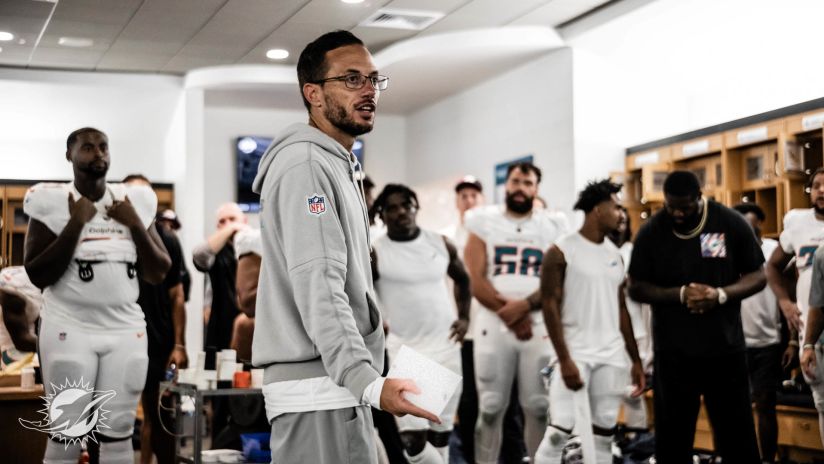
{"x": 759, "y": 313}
{"x": 590, "y": 312}
{"x": 15, "y": 281}
{"x": 248, "y": 241}
{"x": 515, "y": 247}
{"x": 413, "y": 290}
{"x": 99, "y": 289}
{"x": 802, "y": 235}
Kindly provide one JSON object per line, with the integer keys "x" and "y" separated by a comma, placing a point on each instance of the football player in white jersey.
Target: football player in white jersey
{"x": 761, "y": 320}
{"x": 410, "y": 266}
{"x": 640, "y": 314}
{"x": 86, "y": 243}
{"x": 582, "y": 283}
{"x": 503, "y": 254}
{"x": 803, "y": 233}
{"x": 20, "y": 303}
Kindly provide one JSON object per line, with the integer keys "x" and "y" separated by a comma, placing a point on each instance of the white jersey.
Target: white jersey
{"x": 248, "y": 241}
{"x": 14, "y": 280}
{"x": 590, "y": 312}
{"x": 760, "y": 313}
{"x": 802, "y": 235}
{"x": 515, "y": 247}
{"x": 413, "y": 290}
{"x": 99, "y": 289}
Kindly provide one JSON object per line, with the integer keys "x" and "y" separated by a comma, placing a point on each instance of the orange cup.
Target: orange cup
{"x": 242, "y": 379}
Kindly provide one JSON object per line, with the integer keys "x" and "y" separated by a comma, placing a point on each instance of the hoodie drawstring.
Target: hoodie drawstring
{"x": 353, "y": 168}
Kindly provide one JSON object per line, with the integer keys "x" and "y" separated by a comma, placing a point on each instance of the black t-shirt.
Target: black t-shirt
{"x": 156, "y": 304}
{"x": 725, "y": 250}
{"x": 222, "y": 275}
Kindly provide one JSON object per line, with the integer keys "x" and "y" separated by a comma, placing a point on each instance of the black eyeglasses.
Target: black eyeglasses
{"x": 356, "y": 81}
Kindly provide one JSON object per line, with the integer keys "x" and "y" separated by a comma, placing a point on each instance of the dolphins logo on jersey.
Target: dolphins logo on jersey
{"x": 73, "y": 413}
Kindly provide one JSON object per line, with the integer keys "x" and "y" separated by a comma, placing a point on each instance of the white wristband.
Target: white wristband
{"x": 681, "y": 294}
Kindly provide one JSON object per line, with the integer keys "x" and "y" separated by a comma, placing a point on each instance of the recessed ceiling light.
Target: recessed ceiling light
{"x": 77, "y": 42}
{"x": 277, "y": 54}
{"x": 6, "y": 36}
{"x": 352, "y": 1}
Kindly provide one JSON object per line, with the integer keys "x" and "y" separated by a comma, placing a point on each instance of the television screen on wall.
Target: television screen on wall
{"x": 248, "y": 151}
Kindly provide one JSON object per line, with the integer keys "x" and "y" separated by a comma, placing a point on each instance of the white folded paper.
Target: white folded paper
{"x": 436, "y": 383}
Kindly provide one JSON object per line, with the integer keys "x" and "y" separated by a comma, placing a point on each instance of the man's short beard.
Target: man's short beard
{"x": 519, "y": 207}
{"x": 336, "y": 114}
{"x": 819, "y": 211}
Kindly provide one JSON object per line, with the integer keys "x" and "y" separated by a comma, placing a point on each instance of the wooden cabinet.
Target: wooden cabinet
{"x": 14, "y": 222}
{"x": 766, "y": 159}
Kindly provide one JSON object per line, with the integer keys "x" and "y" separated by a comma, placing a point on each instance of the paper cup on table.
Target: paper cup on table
{"x": 27, "y": 378}
{"x": 257, "y": 378}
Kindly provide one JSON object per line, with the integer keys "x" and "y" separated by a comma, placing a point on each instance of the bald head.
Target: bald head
{"x": 228, "y": 213}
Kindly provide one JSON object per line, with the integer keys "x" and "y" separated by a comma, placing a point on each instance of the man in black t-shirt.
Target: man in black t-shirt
{"x": 165, "y": 313}
{"x": 694, "y": 261}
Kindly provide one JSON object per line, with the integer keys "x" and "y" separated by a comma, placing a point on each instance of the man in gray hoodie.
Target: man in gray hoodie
{"x": 318, "y": 333}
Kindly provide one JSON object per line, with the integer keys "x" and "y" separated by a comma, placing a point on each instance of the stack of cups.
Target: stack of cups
{"x": 226, "y": 364}
{"x": 257, "y": 378}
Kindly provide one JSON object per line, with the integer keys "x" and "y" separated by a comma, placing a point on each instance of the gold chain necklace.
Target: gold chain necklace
{"x": 694, "y": 232}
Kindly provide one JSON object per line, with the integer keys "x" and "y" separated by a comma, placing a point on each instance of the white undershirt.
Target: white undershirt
{"x": 316, "y": 394}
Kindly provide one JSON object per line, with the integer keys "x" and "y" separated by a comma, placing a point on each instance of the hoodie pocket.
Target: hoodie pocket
{"x": 374, "y": 315}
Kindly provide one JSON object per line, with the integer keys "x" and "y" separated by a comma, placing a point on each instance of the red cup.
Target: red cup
{"x": 242, "y": 380}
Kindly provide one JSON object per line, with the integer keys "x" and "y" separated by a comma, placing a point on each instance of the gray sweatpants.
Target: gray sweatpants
{"x": 338, "y": 436}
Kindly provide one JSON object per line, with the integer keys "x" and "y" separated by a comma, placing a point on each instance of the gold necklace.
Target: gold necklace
{"x": 694, "y": 232}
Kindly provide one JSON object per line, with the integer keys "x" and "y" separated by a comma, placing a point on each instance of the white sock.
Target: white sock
{"x": 603, "y": 449}
{"x": 117, "y": 452}
{"x": 57, "y": 453}
{"x": 444, "y": 452}
{"x": 429, "y": 455}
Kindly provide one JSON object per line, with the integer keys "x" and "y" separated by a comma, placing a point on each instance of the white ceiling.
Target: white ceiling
{"x": 175, "y": 36}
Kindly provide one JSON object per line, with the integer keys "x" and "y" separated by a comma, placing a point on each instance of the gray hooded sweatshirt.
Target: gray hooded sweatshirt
{"x": 315, "y": 312}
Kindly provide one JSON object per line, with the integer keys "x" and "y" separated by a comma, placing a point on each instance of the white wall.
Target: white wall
{"x": 527, "y": 110}
{"x": 673, "y": 66}
{"x": 383, "y": 148}
{"x": 40, "y": 108}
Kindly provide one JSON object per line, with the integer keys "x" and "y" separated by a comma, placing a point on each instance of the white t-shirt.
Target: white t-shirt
{"x": 248, "y": 241}
{"x": 413, "y": 289}
{"x": 109, "y": 300}
{"x": 802, "y": 235}
{"x": 590, "y": 312}
{"x": 760, "y": 313}
{"x": 515, "y": 247}
{"x": 14, "y": 280}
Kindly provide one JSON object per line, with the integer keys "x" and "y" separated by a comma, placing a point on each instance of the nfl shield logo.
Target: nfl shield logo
{"x": 317, "y": 204}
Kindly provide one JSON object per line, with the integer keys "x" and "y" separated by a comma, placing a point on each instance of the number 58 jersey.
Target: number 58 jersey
{"x": 515, "y": 247}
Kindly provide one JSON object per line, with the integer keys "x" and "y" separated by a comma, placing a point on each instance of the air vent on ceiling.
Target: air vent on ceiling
{"x": 414, "y": 20}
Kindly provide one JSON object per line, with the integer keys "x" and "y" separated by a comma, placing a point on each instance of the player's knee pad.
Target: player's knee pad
{"x": 135, "y": 377}
{"x": 556, "y": 436}
{"x": 604, "y": 419}
{"x": 490, "y": 406}
{"x": 537, "y": 406}
{"x": 62, "y": 370}
{"x": 413, "y": 441}
{"x": 123, "y": 405}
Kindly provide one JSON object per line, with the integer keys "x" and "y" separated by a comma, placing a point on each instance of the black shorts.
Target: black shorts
{"x": 764, "y": 367}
